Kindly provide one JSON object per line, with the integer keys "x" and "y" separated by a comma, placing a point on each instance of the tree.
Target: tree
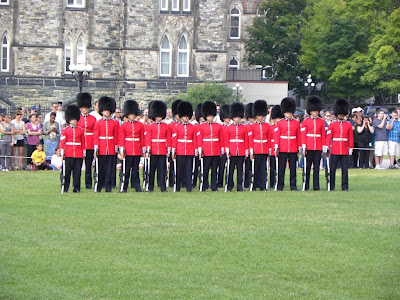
{"x": 200, "y": 93}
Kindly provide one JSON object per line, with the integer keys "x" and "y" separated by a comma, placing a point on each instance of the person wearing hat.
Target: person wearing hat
{"x": 87, "y": 122}
{"x": 250, "y": 120}
{"x": 184, "y": 146}
{"x": 72, "y": 146}
{"x": 259, "y": 144}
{"x": 105, "y": 140}
{"x": 340, "y": 133}
{"x": 158, "y": 144}
{"x": 199, "y": 120}
{"x": 275, "y": 116}
{"x": 313, "y": 138}
{"x": 287, "y": 143}
{"x": 236, "y": 145}
{"x": 176, "y": 121}
{"x": 226, "y": 121}
{"x": 131, "y": 145}
{"x": 210, "y": 144}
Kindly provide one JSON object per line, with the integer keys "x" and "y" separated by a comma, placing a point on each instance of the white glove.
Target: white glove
{"x": 350, "y": 151}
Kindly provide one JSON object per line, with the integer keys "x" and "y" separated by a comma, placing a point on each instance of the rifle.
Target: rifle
{"x": 201, "y": 176}
{"x": 147, "y": 174}
{"x": 167, "y": 173}
{"x": 304, "y": 173}
{"x": 63, "y": 177}
{"x": 174, "y": 161}
{"x": 228, "y": 160}
{"x": 144, "y": 172}
{"x": 276, "y": 172}
{"x": 122, "y": 177}
{"x": 252, "y": 176}
{"x": 328, "y": 174}
{"x": 96, "y": 175}
{"x": 266, "y": 181}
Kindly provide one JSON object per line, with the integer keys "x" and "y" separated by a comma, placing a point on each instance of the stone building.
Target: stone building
{"x": 144, "y": 50}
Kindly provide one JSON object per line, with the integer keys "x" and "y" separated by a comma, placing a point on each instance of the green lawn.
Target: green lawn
{"x": 259, "y": 245}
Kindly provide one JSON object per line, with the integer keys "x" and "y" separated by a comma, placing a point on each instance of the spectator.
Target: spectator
{"x": 54, "y": 106}
{"x": 364, "y": 133}
{"x": 355, "y": 121}
{"x": 39, "y": 158}
{"x": 51, "y": 126}
{"x": 168, "y": 118}
{"x": 6, "y": 142}
{"x": 32, "y": 140}
{"x": 39, "y": 122}
{"x": 19, "y": 130}
{"x": 34, "y": 110}
{"x": 60, "y": 117}
{"x": 56, "y": 160}
{"x": 327, "y": 119}
{"x": 95, "y": 113}
{"x": 394, "y": 139}
{"x": 381, "y": 138}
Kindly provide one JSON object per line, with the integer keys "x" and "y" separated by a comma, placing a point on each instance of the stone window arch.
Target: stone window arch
{"x": 234, "y": 22}
{"x": 67, "y": 54}
{"x": 183, "y": 57}
{"x": 80, "y": 51}
{"x": 234, "y": 64}
{"x": 5, "y": 54}
{"x": 165, "y": 56}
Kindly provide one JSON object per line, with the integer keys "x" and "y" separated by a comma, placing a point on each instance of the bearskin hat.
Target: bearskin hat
{"x": 260, "y": 108}
{"x": 288, "y": 105}
{"x": 236, "y": 110}
{"x": 209, "y": 108}
{"x": 84, "y": 100}
{"x": 341, "y": 107}
{"x": 185, "y": 109}
{"x": 276, "y": 112}
{"x": 157, "y": 109}
{"x": 314, "y": 103}
{"x": 224, "y": 112}
{"x": 248, "y": 110}
{"x": 131, "y": 107}
{"x": 106, "y": 103}
{"x": 197, "y": 112}
{"x": 72, "y": 112}
{"x": 175, "y": 107}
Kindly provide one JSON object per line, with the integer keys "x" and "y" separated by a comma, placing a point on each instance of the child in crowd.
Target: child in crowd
{"x": 56, "y": 160}
{"x": 39, "y": 158}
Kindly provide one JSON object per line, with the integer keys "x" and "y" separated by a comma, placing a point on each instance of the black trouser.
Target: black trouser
{"x": 355, "y": 156}
{"x": 29, "y": 151}
{"x": 74, "y": 166}
{"x": 236, "y": 161}
{"x": 364, "y": 156}
{"x": 313, "y": 157}
{"x": 343, "y": 159}
{"x": 196, "y": 171}
{"x": 159, "y": 163}
{"x": 88, "y": 167}
{"x": 184, "y": 166}
{"x": 221, "y": 170}
{"x": 106, "y": 165}
{"x": 171, "y": 173}
{"x": 114, "y": 171}
{"x": 272, "y": 171}
{"x": 213, "y": 163}
{"x": 282, "y": 160}
{"x": 131, "y": 171}
{"x": 260, "y": 171}
{"x": 247, "y": 171}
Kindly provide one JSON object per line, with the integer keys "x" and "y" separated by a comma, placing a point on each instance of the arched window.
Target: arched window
{"x": 234, "y": 23}
{"x": 234, "y": 64}
{"x": 183, "y": 58}
{"x": 80, "y": 51}
{"x": 67, "y": 55}
{"x": 5, "y": 54}
{"x": 165, "y": 57}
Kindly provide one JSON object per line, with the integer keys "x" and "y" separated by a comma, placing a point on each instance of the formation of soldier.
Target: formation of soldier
{"x": 183, "y": 152}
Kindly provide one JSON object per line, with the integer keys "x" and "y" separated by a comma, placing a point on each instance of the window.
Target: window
{"x": 175, "y": 5}
{"x": 183, "y": 58}
{"x": 233, "y": 64}
{"x": 4, "y": 2}
{"x": 67, "y": 55}
{"x": 234, "y": 23}
{"x": 165, "y": 57}
{"x": 164, "y": 5}
{"x": 186, "y": 5}
{"x": 80, "y": 52}
{"x": 76, "y": 3}
{"x": 5, "y": 54}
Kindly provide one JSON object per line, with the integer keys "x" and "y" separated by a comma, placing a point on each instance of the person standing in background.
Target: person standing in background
{"x": 6, "y": 142}
{"x": 34, "y": 131}
{"x": 381, "y": 138}
{"x": 19, "y": 129}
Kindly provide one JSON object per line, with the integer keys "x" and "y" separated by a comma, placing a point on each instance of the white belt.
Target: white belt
{"x": 260, "y": 141}
{"x": 210, "y": 140}
{"x": 106, "y": 137}
{"x": 340, "y": 139}
{"x": 184, "y": 141}
{"x": 313, "y": 135}
{"x": 88, "y": 133}
{"x": 72, "y": 144}
{"x": 158, "y": 141}
{"x": 288, "y": 137}
{"x": 236, "y": 141}
{"x": 132, "y": 139}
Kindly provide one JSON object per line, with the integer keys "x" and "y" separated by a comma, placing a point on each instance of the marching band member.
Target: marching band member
{"x": 313, "y": 138}
{"x": 105, "y": 137}
{"x": 250, "y": 120}
{"x": 341, "y": 135}
{"x": 287, "y": 143}
{"x": 131, "y": 145}
{"x": 224, "y": 116}
{"x": 184, "y": 146}
{"x": 275, "y": 116}
{"x": 259, "y": 144}
{"x": 72, "y": 145}
{"x": 87, "y": 122}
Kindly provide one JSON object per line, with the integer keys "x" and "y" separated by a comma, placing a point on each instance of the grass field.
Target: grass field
{"x": 259, "y": 245}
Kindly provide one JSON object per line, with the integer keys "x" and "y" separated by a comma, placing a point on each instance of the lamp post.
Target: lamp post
{"x": 238, "y": 89}
{"x": 309, "y": 84}
{"x": 81, "y": 72}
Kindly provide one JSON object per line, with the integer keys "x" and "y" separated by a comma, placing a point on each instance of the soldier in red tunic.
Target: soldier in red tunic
{"x": 275, "y": 117}
{"x": 340, "y": 133}
{"x": 210, "y": 144}
{"x": 287, "y": 143}
{"x": 131, "y": 145}
{"x": 105, "y": 137}
{"x": 250, "y": 120}
{"x": 87, "y": 122}
{"x": 184, "y": 146}
{"x": 199, "y": 120}
{"x": 72, "y": 146}
{"x": 259, "y": 144}
{"x": 225, "y": 118}
{"x": 176, "y": 121}
{"x": 313, "y": 138}
{"x": 236, "y": 145}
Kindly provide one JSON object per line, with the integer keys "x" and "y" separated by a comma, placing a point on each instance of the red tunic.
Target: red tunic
{"x": 272, "y": 139}
{"x": 211, "y": 140}
{"x": 236, "y": 140}
{"x": 259, "y": 138}
{"x": 105, "y": 136}
{"x": 158, "y": 138}
{"x": 184, "y": 139}
{"x": 287, "y": 136}
{"x": 72, "y": 142}
{"x": 313, "y": 134}
{"x": 341, "y": 135}
{"x": 131, "y": 138}
{"x": 87, "y": 123}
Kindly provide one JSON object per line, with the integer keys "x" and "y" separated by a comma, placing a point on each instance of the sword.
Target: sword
{"x": 122, "y": 176}
{"x": 96, "y": 175}
{"x": 201, "y": 177}
{"x": 167, "y": 174}
{"x": 63, "y": 177}
{"x": 304, "y": 173}
{"x": 174, "y": 161}
{"x": 328, "y": 174}
{"x": 252, "y": 176}
{"x": 228, "y": 160}
{"x": 266, "y": 182}
{"x": 144, "y": 172}
{"x": 276, "y": 173}
{"x": 148, "y": 174}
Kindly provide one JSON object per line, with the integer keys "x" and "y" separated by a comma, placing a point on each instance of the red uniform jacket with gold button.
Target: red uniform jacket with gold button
{"x": 259, "y": 138}
{"x": 158, "y": 138}
{"x": 105, "y": 136}
{"x": 313, "y": 134}
{"x": 341, "y": 135}
{"x": 236, "y": 140}
{"x": 131, "y": 138}
{"x": 87, "y": 124}
{"x": 287, "y": 136}
{"x": 184, "y": 139}
{"x": 72, "y": 142}
{"x": 211, "y": 139}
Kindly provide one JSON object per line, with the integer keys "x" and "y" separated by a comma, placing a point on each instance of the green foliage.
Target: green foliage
{"x": 218, "y": 93}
